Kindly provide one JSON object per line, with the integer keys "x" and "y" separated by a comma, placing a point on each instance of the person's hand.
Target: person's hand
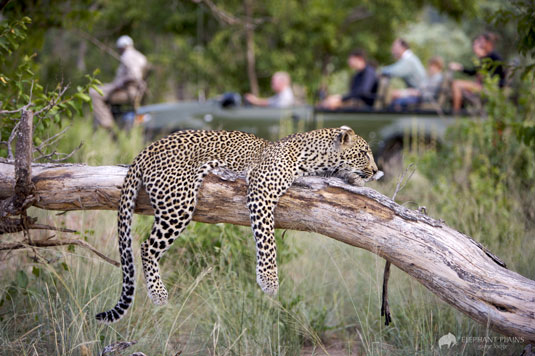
{"x": 332, "y": 102}
{"x": 455, "y": 66}
{"x": 251, "y": 98}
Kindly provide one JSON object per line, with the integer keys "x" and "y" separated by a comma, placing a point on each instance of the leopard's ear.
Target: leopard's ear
{"x": 345, "y": 138}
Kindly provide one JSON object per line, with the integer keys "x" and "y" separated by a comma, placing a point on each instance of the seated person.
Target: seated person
{"x": 284, "y": 97}
{"x": 408, "y": 66}
{"x": 362, "y": 84}
{"x": 124, "y": 87}
{"x": 483, "y": 48}
{"x": 426, "y": 92}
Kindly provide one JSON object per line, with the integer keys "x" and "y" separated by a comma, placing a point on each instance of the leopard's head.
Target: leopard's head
{"x": 356, "y": 155}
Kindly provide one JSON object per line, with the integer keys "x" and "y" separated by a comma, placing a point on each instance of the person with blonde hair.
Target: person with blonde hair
{"x": 284, "y": 96}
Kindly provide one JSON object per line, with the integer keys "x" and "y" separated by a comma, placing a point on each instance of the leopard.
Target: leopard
{"x": 172, "y": 169}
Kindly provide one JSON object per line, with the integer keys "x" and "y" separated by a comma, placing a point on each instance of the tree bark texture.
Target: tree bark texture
{"x": 21, "y": 196}
{"x": 450, "y": 264}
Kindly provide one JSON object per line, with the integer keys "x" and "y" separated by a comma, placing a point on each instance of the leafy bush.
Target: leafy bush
{"x": 485, "y": 172}
{"x": 21, "y": 89}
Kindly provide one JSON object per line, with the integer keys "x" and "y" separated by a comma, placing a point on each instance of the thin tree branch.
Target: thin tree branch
{"x": 52, "y": 102}
{"x": 49, "y": 156}
{"x": 51, "y": 140}
{"x": 102, "y": 46}
{"x": 8, "y": 112}
{"x": 402, "y": 182}
{"x": 47, "y": 242}
{"x": 357, "y": 14}
{"x": 228, "y": 18}
{"x": 3, "y": 3}
{"x": 385, "y": 306}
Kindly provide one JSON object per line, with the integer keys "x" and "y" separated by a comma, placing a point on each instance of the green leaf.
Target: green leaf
{"x": 22, "y": 279}
{"x": 83, "y": 97}
{"x": 36, "y": 271}
{"x": 97, "y": 89}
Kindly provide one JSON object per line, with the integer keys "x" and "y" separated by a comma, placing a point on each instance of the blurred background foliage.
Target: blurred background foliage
{"x": 196, "y": 49}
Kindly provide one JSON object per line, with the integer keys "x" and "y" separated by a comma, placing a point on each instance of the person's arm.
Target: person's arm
{"x": 470, "y": 71}
{"x": 254, "y": 100}
{"x": 399, "y": 69}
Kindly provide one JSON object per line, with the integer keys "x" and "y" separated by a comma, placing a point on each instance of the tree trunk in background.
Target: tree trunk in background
{"x": 249, "y": 37}
{"x": 450, "y": 264}
{"x": 80, "y": 61}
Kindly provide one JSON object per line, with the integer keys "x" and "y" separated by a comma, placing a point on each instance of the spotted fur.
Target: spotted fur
{"x": 172, "y": 170}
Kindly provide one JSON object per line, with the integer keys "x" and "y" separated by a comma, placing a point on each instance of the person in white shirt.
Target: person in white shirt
{"x": 408, "y": 66}
{"x": 126, "y": 85}
{"x": 284, "y": 97}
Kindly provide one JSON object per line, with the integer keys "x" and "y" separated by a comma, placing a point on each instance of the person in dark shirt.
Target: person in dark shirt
{"x": 362, "y": 85}
{"x": 483, "y": 47}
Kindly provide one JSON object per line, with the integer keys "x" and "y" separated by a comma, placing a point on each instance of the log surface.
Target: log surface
{"x": 450, "y": 264}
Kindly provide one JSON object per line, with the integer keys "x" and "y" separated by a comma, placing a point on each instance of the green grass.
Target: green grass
{"x": 328, "y": 301}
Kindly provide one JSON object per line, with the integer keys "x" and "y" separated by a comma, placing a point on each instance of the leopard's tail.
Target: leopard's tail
{"x": 129, "y": 192}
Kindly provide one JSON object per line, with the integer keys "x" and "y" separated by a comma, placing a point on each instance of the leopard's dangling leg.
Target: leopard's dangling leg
{"x": 262, "y": 198}
{"x": 168, "y": 225}
{"x": 164, "y": 231}
{"x": 263, "y": 225}
{"x": 171, "y": 217}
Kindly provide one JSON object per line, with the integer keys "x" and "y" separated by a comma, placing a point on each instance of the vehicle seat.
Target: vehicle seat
{"x": 443, "y": 95}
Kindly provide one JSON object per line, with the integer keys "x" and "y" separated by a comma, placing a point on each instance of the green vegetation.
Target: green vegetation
{"x": 20, "y": 88}
{"x": 481, "y": 183}
{"x": 197, "y": 48}
{"x": 329, "y": 295}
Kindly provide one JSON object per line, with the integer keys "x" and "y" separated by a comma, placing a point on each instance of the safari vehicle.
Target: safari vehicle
{"x": 387, "y": 131}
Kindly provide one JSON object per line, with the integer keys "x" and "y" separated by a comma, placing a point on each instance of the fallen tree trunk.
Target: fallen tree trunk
{"x": 450, "y": 264}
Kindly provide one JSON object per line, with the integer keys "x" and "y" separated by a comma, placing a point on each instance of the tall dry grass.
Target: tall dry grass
{"x": 328, "y": 301}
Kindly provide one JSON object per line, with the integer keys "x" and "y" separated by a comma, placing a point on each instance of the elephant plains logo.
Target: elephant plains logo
{"x": 449, "y": 339}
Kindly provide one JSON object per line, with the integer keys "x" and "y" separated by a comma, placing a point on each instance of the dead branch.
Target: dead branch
{"x": 52, "y": 103}
{"x": 403, "y": 179}
{"x": 46, "y": 242}
{"x": 51, "y": 140}
{"x": 13, "y": 225}
{"x": 10, "y": 141}
{"x": 23, "y": 162}
{"x": 101, "y": 45}
{"x": 66, "y": 156}
{"x": 450, "y": 264}
{"x": 9, "y": 112}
